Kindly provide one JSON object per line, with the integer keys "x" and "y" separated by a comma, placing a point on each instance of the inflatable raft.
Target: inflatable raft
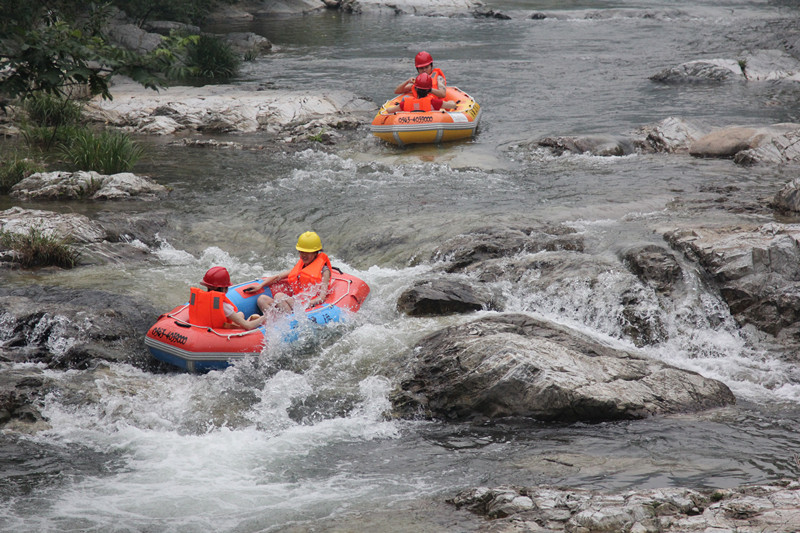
{"x": 174, "y": 340}
{"x": 417, "y": 127}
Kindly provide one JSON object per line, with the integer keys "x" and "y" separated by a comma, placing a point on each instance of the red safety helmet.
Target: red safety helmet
{"x": 217, "y": 278}
{"x": 423, "y": 81}
{"x": 423, "y": 59}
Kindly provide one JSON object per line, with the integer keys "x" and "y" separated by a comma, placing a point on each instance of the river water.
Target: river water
{"x": 296, "y": 440}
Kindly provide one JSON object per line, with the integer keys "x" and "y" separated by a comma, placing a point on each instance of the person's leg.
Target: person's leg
{"x": 264, "y": 303}
{"x": 284, "y": 302}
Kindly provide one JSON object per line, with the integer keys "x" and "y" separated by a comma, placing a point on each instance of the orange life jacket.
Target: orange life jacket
{"x": 302, "y": 277}
{"x": 417, "y": 104}
{"x": 435, "y": 73}
{"x": 205, "y": 308}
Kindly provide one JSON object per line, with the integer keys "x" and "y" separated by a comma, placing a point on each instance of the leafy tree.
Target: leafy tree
{"x": 191, "y": 11}
{"x": 52, "y": 45}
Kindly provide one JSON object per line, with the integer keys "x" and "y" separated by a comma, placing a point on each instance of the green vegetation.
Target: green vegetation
{"x": 57, "y": 46}
{"x": 37, "y": 248}
{"x": 14, "y": 169}
{"x": 105, "y": 152}
{"x": 212, "y": 58}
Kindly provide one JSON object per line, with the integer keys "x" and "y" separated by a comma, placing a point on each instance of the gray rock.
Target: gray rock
{"x": 61, "y": 185}
{"x": 788, "y": 198}
{"x": 601, "y": 145}
{"x": 655, "y": 266}
{"x": 515, "y": 365}
{"x": 440, "y": 297}
{"x": 247, "y": 43}
{"x": 490, "y": 243}
{"x": 773, "y": 507}
{"x": 757, "y": 269}
{"x": 71, "y": 328}
{"x": 223, "y": 108}
{"x": 22, "y": 392}
{"x": 701, "y": 71}
{"x": 134, "y": 38}
{"x": 671, "y": 135}
{"x": 778, "y": 143}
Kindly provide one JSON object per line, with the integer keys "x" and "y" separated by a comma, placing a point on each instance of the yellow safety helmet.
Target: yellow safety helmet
{"x": 309, "y": 242}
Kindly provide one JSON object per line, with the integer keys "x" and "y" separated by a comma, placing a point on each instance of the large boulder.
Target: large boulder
{"x": 701, "y": 71}
{"x": 112, "y": 237}
{"x": 483, "y": 244}
{"x": 223, "y": 109}
{"x": 440, "y": 297}
{"x": 61, "y": 185}
{"x": 670, "y": 135}
{"x": 72, "y": 328}
{"x": 757, "y": 270}
{"x": 513, "y": 365}
{"x": 778, "y": 143}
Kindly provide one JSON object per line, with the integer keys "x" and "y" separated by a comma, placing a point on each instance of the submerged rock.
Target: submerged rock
{"x": 773, "y": 507}
{"x": 513, "y": 365}
{"x": 701, "y": 71}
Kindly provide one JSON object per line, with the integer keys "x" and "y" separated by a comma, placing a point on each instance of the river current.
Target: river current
{"x": 297, "y": 440}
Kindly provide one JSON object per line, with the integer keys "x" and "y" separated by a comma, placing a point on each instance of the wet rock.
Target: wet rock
{"x": 490, "y": 243}
{"x": 22, "y": 391}
{"x": 563, "y": 282}
{"x": 600, "y": 145}
{"x": 491, "y": 14}
{"x": 222, "y": 109}
{"x": 272, "y": 8}
{"x": 779, "y": 143}
{"x": 757, "y": 269}
{"x": 772, "y": 507}
{"x": 440, "y": 297}
{"x": 61, "y": 185}
{"x": 427, "y": 8}
{"x": 247, "y": 43}
{"x": 654, "y": 265}
{"x": 670, "y": 135}
{"x": 770, "y": 65}
{"x": 77, "y": 228}
{"x": 113, "y": 238}
{"x": 227, "y": 14}
{"x": 71, "y": 328}
{"x": 515, "y": 365}
{"x": 701, "y": 71}
{"x": 788, "y": 198}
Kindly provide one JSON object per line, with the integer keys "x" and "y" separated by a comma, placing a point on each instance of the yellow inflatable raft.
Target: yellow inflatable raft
{"x": 419, "y": 127}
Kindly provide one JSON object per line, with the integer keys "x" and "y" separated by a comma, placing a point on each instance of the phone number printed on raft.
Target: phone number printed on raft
{"x": 414, "y": 120}
{"x": 171, "y": 336}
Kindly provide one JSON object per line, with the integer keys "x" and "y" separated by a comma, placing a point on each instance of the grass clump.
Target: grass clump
{"x": 14, "y": 169}
{"x": 212, "y": 58}
{"x": 104, "y": 152}
{"x": 53, "y": 111}
{"x": 36, "y": 248}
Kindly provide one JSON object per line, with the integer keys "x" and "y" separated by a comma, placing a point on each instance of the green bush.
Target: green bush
{"x": 53, "y": 111}
{"x": 36, "y": 248}
{"x": 104, "y": 152}
{"x": 212, "y": 58}
{"x": 14, "y": 169}
{"x": 47, "y": 136}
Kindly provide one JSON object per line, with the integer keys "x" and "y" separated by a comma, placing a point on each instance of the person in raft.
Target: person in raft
{"x": 424, "y": 63}
{"x": 211, "y": 308}
{"x": 307, "y": 281}
{"x": 424, "y": 100}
